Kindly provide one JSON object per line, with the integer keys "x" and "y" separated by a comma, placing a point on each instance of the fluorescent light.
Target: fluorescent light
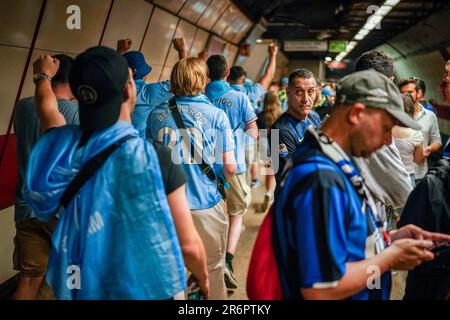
{"x": 370, "y": 24}
{"x": 259, "y": 41}
{"x": 375, "y": 19}
{"x": 362, "y": 34}
{"x": 384, "y": 10}
{"x": 350, "y": 46}
{"x": 391, "y": 2}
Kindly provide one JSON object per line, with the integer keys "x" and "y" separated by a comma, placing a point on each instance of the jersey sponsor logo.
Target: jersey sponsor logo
{"x": 282, "y": 150}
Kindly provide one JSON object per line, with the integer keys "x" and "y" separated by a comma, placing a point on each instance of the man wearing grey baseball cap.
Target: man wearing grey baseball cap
{"x": 374, "y": 90}
{"x": 329, "y": 236}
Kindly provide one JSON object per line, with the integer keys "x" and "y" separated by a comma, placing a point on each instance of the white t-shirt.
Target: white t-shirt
{"x": 430, "y": 130}
{"x": 406, "y": 148}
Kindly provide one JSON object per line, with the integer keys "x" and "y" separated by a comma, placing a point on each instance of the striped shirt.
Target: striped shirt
{"x": 321, "y": 225}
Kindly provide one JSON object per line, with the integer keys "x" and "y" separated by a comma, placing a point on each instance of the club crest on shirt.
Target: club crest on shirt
{"x": 282, "y": 150}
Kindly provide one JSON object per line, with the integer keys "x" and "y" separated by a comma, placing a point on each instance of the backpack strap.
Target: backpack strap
{"x": 204, "y": 167}
{"x": 88, "y": 170}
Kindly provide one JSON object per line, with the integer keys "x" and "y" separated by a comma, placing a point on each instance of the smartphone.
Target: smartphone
{"x": 441, "y": 247}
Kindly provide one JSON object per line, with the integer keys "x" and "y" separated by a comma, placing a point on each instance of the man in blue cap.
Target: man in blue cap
{"x": 149, "y": 95}
{"x": 328, "y": 97}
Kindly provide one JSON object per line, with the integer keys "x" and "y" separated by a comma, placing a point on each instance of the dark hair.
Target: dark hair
{"x": 408, "y": 104}
{"x": 236, "y": 72}
{"x": 300, "y": 73}
{"x": 376, "y": 60}
{"x": 217, "y": 67}
{"x": 65, "y": 66}
{"x": 420, "y": 84}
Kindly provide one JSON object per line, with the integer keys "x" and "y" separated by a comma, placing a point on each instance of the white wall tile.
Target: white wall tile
{"x": 193, "y": 9}
{"x": 159, "y": 36}
{"x": 165, "y": 75}
{"x": 54, "y": 34}
{"x": 18, "y": 19}
{"x": 155, "y": 74}
{"x": 212, "y": 13}
{"x": 216, "y": 45}
{"x": 12, "y": 64}
{"x": 225, "y": 20}
{"x": 7, "y": 233}
{"x": 230, "y": 52}
{"x": 199, "y": 42}
{"x": 171, "y": 5}
{"x": 185, "y": 30}
{"x": 128, "y": 19}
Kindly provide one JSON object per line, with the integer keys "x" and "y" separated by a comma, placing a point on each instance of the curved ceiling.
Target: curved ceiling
{"x": 335, "y": 20}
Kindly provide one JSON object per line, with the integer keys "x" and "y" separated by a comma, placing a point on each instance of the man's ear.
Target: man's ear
{"x": 228, "y": 73}
{"x": 420, "y": 94}
{"x": 355, "y": 112}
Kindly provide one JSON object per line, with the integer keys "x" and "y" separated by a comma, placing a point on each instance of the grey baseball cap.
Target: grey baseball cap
{"x": 375, "y": 90}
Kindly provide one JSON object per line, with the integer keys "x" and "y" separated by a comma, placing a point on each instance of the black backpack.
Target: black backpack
{"x": 428, "y": 207}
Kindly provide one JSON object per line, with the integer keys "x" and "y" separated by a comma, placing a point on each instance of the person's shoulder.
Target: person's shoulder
{"x": 314, "y": 115}
{"x": 217, "y": 113}
{"x": 429, "y": 113}
{"x": 25, "y": 103}
{"x": 68, "y": 104}
{"x": 235, "y": 94}
{"x": 282, "y": 121}
{"x": 318, "y": 172}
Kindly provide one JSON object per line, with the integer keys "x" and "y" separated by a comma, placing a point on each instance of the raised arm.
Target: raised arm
{"x": 124, "y": 45}
{"x": 180, "y": 46}
{"x": 268, "y": 76}
{"x": 192, "y": 246}
{"x": 45, "y": 99}
{"x": 403, "y": 254}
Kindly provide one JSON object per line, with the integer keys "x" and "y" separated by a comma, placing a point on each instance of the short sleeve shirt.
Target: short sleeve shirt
{"x": 321, "y": 226}
{"x": 211, "y": 135}
{"x": 28, "y": 130}
{"x": 149, "y": 95}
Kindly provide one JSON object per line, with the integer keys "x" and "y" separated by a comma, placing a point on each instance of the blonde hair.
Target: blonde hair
{"x": 272, "y": 109}
{"x": 188, "y": 77}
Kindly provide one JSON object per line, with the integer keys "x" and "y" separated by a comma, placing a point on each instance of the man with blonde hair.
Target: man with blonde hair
{"x": 200, "y": 137}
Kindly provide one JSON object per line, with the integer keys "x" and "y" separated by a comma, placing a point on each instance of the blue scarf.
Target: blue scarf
{"x": 216, "y": 89}
{"x": 116, "y": 239}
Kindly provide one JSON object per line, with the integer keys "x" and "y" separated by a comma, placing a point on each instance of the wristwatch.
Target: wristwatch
{"x": 41, "y": 75}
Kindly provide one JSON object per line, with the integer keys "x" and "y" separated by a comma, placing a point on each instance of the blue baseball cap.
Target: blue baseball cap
{"x": 327, "y": 92}
{"x": 137, "y": 63}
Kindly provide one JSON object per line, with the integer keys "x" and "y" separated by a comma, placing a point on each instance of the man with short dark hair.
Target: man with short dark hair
{"x": 432, "y": 142}
{"x": 149, "y": 95}
{"x": 115, "y": 237}
{"x": 378, "y": 61}
{"x": 33, "y": 237}
{"x": 329, "y": 236}
{"x": 242, "y": 119}
{"x": 301, "y": 94}
{"x": 255, "y": 93}
{"x": 429, "y": 207}
{"x": 384, "y": 171}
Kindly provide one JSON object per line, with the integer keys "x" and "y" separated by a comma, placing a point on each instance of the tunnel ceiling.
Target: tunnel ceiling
{"x": 334, "y": 20}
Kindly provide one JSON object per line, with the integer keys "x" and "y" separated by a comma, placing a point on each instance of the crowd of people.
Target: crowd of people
{"x": 137, "y": 190}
